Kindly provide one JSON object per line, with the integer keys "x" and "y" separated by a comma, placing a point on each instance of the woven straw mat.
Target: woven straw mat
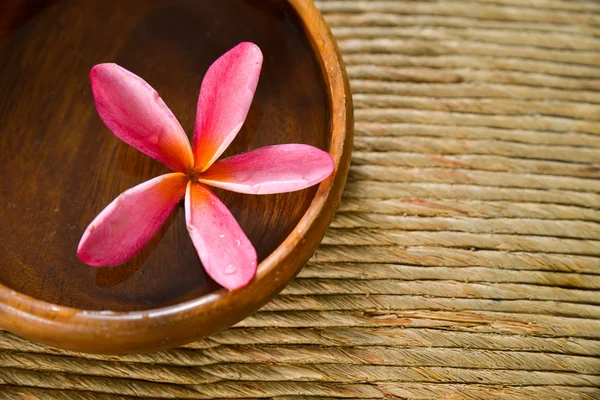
{"x": 464, "y": 261}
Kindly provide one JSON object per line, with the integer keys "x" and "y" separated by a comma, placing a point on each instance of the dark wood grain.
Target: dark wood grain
{"x": 63, "y": 166}
{"x": 60, "y": 165}
{"x": 13, "y": 13}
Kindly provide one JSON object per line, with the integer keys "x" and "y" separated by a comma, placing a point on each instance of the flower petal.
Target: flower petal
{"x": 225, "y": 97}
{"x": 130, "y": 221}
{"x": 136, "y": 114}
{"x": 225, "y": 251}
{"x": 271, "y": 169}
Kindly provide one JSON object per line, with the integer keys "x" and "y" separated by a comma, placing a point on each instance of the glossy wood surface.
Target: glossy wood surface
{"x": 60, "y": 165}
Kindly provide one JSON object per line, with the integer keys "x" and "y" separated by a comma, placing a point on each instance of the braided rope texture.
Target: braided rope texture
{"x": 464, "y": 262}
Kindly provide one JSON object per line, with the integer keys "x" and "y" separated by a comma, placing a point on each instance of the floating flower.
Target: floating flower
{"x": 136, "y": 114}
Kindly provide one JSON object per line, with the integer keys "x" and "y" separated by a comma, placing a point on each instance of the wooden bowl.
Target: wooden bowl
{"x": 60, "y": 165}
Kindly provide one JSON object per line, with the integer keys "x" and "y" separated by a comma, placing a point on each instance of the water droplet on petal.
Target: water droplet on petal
{"x": 230, "y": 269}
{"x": 242, "y": 176}
{"x": 221, "y": 235}
{"x": 238, "y": 242}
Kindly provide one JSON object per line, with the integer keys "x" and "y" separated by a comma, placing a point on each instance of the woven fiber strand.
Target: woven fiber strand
{"x": 464, "y": 261}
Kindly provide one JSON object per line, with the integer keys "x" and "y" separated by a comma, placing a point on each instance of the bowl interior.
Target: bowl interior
{"x": 60, "y": 166}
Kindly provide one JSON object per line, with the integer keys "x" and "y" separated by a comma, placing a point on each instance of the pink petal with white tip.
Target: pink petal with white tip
{"x": 271, "y": 169}
{"x": 136, "y": 114}
{"x": 226, "y": 253}
{"x": 225, "y": 97}
{"x": 130, "y": 221}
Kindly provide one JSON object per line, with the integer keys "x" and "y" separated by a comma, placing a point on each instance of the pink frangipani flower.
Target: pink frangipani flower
{"x": 136, "y": 114}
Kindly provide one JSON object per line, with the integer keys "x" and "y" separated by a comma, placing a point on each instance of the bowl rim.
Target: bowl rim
{"x": 112, "y": 332}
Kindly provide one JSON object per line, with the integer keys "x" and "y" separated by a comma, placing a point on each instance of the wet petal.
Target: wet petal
{"x": 225, "y": 97}
{"x": 225, "y": 251}
{"x": 130, "y": 221}
{"x": 136, "y": 114}
{"x": 271, "y": 169}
